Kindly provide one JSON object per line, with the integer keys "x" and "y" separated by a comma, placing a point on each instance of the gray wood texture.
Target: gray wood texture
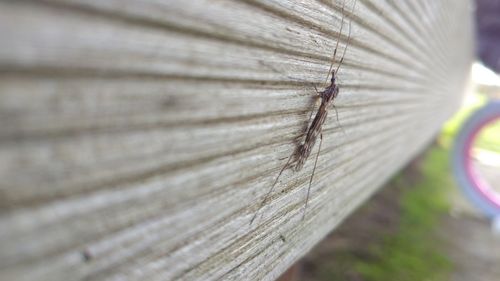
{"x": 138, "y": 138}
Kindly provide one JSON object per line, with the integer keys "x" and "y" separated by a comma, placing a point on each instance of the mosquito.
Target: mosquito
{"x": 302, "y": 153}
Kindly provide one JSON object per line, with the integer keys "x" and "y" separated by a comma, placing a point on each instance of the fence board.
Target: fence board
{"x": 138, "y": 138}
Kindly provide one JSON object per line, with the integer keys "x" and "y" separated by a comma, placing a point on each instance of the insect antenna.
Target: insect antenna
{"x": 343, "y": 55}
{"x": 348, "y": 38}
{"x": 337, "y": 44}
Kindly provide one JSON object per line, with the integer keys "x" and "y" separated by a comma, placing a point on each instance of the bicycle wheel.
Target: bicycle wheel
{"x": 475, "y": 187}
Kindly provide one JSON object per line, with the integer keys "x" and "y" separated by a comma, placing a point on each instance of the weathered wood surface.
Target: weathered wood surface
{"x": 138, "y": 138}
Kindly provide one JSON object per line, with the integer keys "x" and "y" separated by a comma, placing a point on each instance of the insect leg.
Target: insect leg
{"x": 312, "y": 175}
{"x": 338, "y": 121}
{"x": 272, "y": 188}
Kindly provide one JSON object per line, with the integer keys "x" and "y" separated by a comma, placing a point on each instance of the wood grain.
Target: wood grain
{"x": 138, "y": 138}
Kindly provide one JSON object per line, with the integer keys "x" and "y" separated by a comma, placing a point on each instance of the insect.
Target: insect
{"x": 303, "y": 151}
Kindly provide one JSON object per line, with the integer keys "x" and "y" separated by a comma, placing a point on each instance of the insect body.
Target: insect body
{"x": 303, "y": 151}
{"x": 327, "y": 96}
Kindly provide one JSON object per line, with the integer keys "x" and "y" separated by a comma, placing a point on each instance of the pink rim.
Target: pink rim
{"x": 478, "y": 182}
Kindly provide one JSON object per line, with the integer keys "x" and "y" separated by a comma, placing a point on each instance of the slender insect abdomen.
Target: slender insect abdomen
{"x": 304, "y": 150}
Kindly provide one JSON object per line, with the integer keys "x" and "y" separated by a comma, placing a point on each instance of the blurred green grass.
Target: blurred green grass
{"x": 409, "y": 248}
{"x": 413, "y": 252}
{"x": 489, "y": 138}
{"x": 452, "y": 126}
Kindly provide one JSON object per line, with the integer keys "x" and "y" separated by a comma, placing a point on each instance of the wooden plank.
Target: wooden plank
{"x": 138, "y": 138}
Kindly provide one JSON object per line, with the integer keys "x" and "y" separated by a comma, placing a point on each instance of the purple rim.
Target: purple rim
{"x": 479, "y": 183}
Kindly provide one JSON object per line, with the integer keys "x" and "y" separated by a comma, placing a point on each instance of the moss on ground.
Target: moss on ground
{"x": 413, "y": 253}
{"x": 394, "y": 236}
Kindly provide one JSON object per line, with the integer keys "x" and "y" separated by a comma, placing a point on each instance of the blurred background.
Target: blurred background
{"x": 421, "y": 225}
